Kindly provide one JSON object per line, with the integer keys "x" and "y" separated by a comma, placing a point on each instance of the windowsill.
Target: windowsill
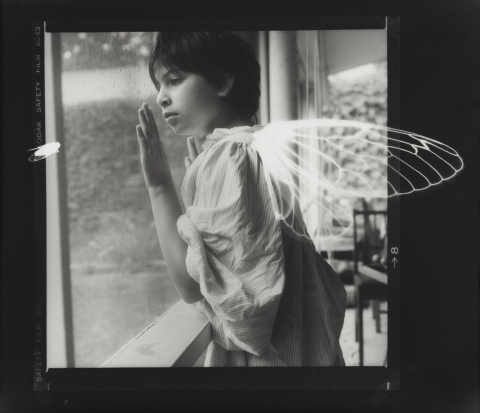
{"x": 177, "y": 339}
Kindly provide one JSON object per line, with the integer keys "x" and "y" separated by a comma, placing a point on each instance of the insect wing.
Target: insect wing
{"x": 43, "y": 151}
{"x": 334, "y": 162}
{"x": 35, "y": 158}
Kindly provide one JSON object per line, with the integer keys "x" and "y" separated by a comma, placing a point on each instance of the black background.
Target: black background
{"x": 439, "y": 246}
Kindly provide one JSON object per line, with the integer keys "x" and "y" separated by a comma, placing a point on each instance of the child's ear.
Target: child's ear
{"x": 227, "y": 84}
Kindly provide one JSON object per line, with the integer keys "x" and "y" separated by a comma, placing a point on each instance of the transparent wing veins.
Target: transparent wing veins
{"x": 406, "y": 158}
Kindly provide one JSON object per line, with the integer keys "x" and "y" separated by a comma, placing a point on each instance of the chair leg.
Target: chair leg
{"x": 355, "y": 303}
{"x": 360, "y": 328}
{"x": 376, "y": 314}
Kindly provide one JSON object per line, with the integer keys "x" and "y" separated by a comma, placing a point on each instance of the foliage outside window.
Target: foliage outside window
{"x": 120, "y": 284}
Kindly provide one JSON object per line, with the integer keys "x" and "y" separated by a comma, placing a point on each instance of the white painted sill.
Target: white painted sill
{"x": 177, "y": 339}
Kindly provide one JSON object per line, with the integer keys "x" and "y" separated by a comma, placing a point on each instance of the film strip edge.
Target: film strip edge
{"x": 38, "y": 59}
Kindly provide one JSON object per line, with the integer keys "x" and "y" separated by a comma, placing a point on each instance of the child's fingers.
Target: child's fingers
{"x": 155, "y": 136}
{"x": 140, "y": 134}
{"x": 151, "y": 121}
{"x": 199, "y": 139}
{"x": 192, "y": 150}
{"x": 142, "y": 140}
{"x": 144, "y": 123}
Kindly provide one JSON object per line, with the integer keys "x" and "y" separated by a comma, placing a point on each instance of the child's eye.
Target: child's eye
{"x": 175, "y": 81}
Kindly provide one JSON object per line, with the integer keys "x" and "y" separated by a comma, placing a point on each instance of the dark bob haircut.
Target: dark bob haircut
{"x": 212, "y": 54}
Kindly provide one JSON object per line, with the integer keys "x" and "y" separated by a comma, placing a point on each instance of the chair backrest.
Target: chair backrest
{"x": 369, "y": 236}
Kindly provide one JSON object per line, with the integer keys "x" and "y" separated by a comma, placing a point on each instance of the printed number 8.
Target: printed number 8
{"x": 394, "y": 250}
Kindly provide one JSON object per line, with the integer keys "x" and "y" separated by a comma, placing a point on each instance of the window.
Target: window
{"x": 342, "y": 74}
{"x": 119, "y": 281}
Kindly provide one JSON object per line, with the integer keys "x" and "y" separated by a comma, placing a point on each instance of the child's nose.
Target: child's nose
{"x": 162, "y": 100}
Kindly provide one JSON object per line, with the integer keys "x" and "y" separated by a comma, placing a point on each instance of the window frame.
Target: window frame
{"x": 393, "y": 121}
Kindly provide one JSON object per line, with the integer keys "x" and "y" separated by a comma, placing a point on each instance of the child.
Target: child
{"x": 270, "y": 298}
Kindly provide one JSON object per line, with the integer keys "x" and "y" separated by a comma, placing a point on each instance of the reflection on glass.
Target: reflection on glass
{"x": 120, "y": 284}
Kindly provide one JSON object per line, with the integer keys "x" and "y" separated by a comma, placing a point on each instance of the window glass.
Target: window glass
{"x": 343, "y": 75}
{"x": 120, "y": 283}
{"x": 332, "y": 86}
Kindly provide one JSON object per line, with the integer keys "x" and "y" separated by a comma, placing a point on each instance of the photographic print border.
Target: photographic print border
{"x": 261, "y": 378}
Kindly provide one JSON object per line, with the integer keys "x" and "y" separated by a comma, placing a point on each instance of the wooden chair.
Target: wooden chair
{"x": 367, "y": 288}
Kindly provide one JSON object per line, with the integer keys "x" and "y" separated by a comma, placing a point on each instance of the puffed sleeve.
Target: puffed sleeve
{"x": 235, "y": 245}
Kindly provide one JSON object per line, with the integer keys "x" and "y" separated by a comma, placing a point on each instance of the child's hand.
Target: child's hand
{"x": 156, "y": 170}
{"x": 195, "y": 148}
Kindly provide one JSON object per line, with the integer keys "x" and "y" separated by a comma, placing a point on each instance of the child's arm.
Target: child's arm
{"x": 166, "y": 211}
{"x": 237, "y": 246}
{"x": 165, "y": 205}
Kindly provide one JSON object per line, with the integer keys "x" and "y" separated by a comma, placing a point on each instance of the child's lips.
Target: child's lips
{"x": 170, "y": 118}
{"x": 167, "y": 115}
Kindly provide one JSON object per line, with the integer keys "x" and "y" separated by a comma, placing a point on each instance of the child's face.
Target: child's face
{"x": 195, "y": 102}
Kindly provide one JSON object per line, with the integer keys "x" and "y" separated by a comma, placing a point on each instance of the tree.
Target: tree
{"x": 84, "y": 51}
